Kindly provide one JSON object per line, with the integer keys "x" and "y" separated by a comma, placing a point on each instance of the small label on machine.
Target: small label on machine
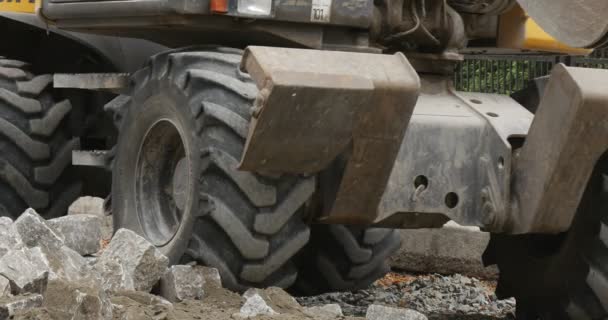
{"x": 320, "y": 10}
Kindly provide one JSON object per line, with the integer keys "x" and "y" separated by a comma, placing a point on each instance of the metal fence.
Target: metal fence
{"x": 505, "y": 74}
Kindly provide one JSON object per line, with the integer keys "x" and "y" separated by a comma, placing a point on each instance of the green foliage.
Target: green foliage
{"x": 498, "y": 75}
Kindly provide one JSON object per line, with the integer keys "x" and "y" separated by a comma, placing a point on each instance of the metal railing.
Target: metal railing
{"x": 505, "y": 74}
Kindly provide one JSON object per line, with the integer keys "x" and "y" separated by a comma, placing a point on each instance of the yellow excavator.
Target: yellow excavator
{"x": 283, "y": 141}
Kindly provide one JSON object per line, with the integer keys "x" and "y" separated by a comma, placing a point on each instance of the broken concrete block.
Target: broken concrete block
{"x": 81, "y": 233}
{"x": 25, "y": 272}
{"x": 9, "y": 238}
{"x": 87, "y": 205}
{"x": 211, "y": 277}
{"x": 182, "y": 282}
{"x": 72, "y": 300}
{"x": 9, "y": 306}
{"x": 130, "y": 262}
{"x": 255, "y": 305}
{"x": 328, "y": 311}
{"x": 35, "y": 232}
{"x": 448, "y": 250}
{"x": 378, "y": 312}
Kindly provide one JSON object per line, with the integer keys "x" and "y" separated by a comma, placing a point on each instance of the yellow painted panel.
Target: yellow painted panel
{"x": 518, "y": 31}
{"x": 25, "y": 6}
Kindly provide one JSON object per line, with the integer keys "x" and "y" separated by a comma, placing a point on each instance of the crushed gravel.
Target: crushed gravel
{"x": 436, "y": 296}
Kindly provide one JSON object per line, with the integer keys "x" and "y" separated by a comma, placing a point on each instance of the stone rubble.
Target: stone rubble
{"x": 328, "y": 311}
{"x": 130, "y": 262}
{"x": 378, "y": 312}
{"x": 35, "y": 231}
{"x": 255, "y": 305}
{"x": 81, "y": 233}
{"x": 10, "y": 306}
{"x": 87, "y": 205}
{"x": 76, "y": 301}
{"x": 43, "y": 275}
{"x": 182, "y": 282}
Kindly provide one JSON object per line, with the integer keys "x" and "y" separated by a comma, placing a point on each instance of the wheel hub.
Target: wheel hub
{"x": 162, "y": 183}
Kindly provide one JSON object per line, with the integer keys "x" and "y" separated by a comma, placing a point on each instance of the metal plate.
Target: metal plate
{"x": 580, "y": 23}
{"x": 456, "y": 143}
{"x": 315, "y": 105}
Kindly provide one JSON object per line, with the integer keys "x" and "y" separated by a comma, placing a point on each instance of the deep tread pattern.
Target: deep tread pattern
{"x": 345, "y": 258}
{"x": 560, "y": 276}
{"x": 249, "y": 246}
{"x": 12, "y": 73}
{"x": 219, "y": 97}
{"x": 47, "y": 174}
{"x": 35, "y": 162}
{"x": 20, "y": 103}
{"x": 46, "y": 125}
{"x": 35, "y": 86}
{"x": 232, "y": 119}
{"x": 259, "y": 193}
{"x": 270, "y": 222}
{"x": 34, "y": 149}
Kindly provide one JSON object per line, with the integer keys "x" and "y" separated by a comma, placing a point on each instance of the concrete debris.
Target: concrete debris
{"x": 377, "y": 312}
{"x": 9, "y": 238}
{"x": 182, "y": 282}
{"x": 328, "y": 311}
{"x": 448, "y": 250}
{"x": 255, "y": 305}
{"x": 10, "y": 306}
{"x": 72, "y": 300}
{"x": 35, "y": 232}
{"x": 87, "y": 205}
{"x": 25, "y": 270}
{"x": 81, "y": 233}
{"x": 130, "y": 262}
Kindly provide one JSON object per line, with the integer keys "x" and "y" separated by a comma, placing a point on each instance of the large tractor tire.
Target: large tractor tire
{"x": 175, "y": 176}
{"x": 561, "y": 276}
{"x": 344, "y": 258}
{"x": 35, "y": 145}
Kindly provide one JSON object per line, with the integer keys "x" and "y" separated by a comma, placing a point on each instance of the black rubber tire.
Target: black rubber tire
{"x": 344, "y": 258}
{"x": 35, "y": 145}
{"x": 559, "y": 276}
{"x": 247, "y": 226}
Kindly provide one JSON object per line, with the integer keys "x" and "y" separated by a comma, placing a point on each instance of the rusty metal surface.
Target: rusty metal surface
{"x": 580, "y": 23}
{"x": 456, "y": 143}
{"x": 567, "y": 137}
{"x": 316, "y": 105}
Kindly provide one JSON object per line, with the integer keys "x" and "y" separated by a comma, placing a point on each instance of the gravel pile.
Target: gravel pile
{"x": 436, "y": 296}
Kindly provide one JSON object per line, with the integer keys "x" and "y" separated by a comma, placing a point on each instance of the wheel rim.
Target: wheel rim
{"x": 162, "y": 182}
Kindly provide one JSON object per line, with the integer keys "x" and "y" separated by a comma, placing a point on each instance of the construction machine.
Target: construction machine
{"x": 283, "y": 141}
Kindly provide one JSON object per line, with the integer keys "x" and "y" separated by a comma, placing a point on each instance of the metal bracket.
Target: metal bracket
{"x": 313, "y": 105}
{"x": 455, "y": 160}
{"x": 113, "y": 82}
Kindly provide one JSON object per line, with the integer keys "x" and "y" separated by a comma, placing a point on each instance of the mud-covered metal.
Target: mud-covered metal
{"x": 316, "y": 105}
{"x": 455, "y": 160}
{"x": 567, "y": 137}
{"x": 580, "y": 23}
